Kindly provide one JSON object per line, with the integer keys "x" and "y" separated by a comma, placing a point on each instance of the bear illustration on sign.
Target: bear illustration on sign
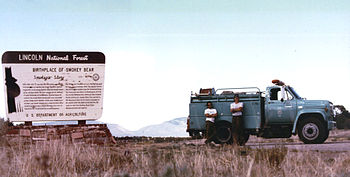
{"x": 12, "y": 88}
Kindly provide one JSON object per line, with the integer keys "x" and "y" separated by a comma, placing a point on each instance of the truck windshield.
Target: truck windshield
{"x": 294, "y": 92}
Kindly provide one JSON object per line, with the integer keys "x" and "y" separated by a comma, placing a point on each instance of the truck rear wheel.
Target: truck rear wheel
{"x": 223, "y": 133}
{"x": 190, "y": 133}
{"x": 242, "y": 139}
{"x": 195, "y": 134}
{"x": 312, "y": 131}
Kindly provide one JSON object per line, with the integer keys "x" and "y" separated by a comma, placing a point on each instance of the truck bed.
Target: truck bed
{"x": 252, "y": 109}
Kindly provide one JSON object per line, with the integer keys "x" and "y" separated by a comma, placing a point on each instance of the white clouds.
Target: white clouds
{"x": 137, "y": 93}
{"x": 128, "y": 88}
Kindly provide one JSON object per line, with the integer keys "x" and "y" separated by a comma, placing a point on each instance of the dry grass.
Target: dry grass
{"x": 166, "y": 159}
{"x": 58, "y": 159}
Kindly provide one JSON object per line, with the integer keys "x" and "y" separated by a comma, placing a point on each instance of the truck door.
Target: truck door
{"x": 281, "y": 107}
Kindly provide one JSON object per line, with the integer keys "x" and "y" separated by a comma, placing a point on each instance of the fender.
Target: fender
{"x": 303, "y": 112}
{"x": 224, "y": 118}
{"x": 220, "y": 122}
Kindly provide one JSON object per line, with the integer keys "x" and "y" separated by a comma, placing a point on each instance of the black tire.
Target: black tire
{"x": 326, "y": 136}
{"x": 195, "y": 134}
{"x": 242, "y": 139}
{"x": 204, "y": 134}
{"x": 312, "y": 131}
{"x": 223, "y": 133}
{"x": 190, "y": 133}
{"x": 347, "y": 124}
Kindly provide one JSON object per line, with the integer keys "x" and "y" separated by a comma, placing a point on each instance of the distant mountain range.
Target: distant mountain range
{"x": 174, "y": 128}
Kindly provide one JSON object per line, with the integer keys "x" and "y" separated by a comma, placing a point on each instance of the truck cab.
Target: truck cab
{"x": 279, "y": 112}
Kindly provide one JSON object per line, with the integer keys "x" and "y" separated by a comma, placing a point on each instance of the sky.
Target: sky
{"x": 158, "y": 51}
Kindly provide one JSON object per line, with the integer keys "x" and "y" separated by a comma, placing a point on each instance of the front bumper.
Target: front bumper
{"x": 331, "y": 125}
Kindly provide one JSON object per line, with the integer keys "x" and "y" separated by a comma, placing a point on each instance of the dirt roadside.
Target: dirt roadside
{"x": 338, "y": 141}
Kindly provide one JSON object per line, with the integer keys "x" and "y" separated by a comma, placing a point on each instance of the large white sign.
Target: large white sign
{"x": 46, "y": 86}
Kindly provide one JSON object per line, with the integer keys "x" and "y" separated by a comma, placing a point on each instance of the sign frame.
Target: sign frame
{"x": 53, "y": 85}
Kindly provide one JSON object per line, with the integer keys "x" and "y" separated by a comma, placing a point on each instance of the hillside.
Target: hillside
{"x": 172, "y": 128}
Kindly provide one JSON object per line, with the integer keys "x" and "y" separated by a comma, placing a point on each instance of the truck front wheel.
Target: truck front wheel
{"x": 312, "y": 131}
